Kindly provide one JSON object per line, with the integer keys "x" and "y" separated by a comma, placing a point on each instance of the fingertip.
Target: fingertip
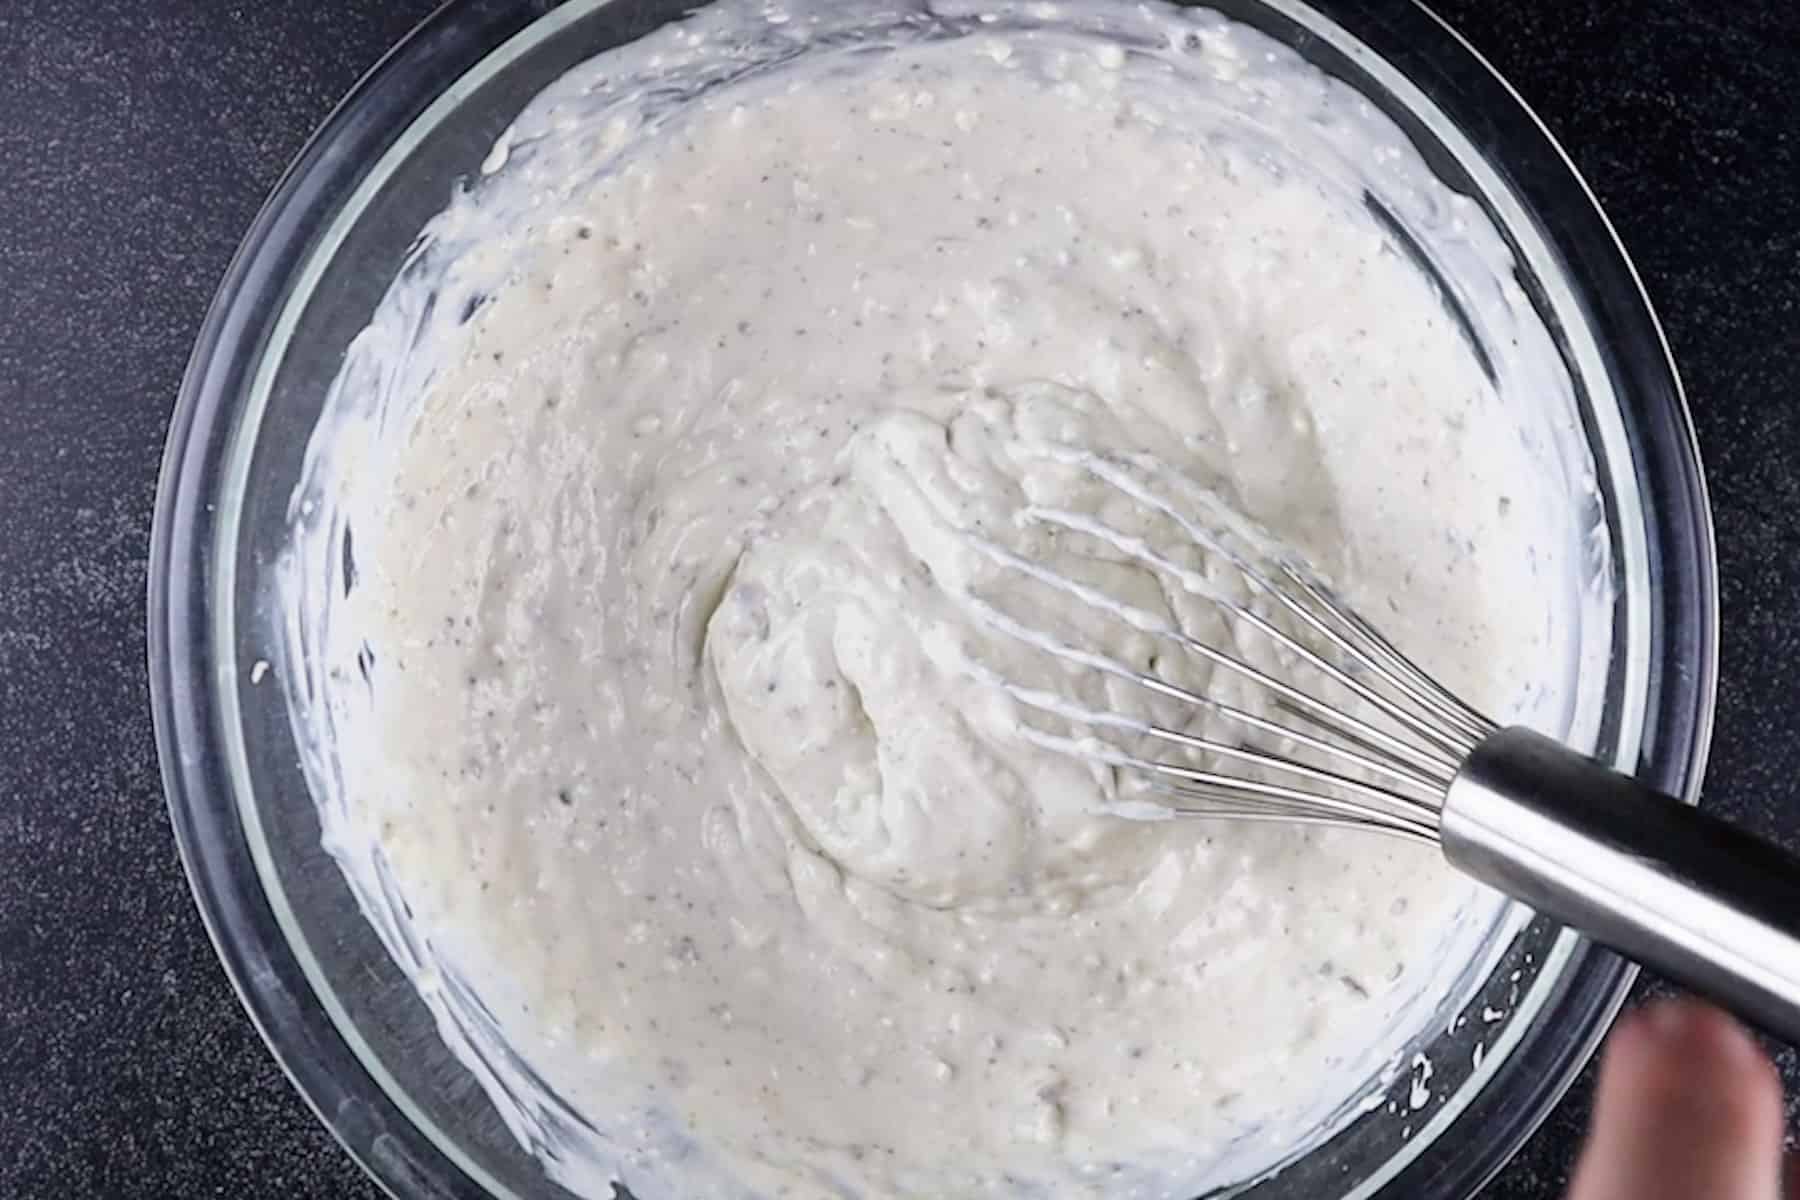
{"x": 1686, "y": 1100}
{"x": 1693, "y": 1047}
{"x": 1700, "y": 1027}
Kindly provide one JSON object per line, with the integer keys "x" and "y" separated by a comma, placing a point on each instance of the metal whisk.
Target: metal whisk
{"x": 1641, "y": 872}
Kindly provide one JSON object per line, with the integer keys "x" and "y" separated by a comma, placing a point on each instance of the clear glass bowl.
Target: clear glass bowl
{"x": 336, "y": 1010}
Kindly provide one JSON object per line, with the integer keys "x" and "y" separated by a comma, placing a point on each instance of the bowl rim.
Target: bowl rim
{"x": 185, "y": 672}
{"x": 264, "y": 971}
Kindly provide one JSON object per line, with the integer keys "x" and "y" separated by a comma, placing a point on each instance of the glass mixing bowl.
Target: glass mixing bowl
{"x": 334, "y": 1007}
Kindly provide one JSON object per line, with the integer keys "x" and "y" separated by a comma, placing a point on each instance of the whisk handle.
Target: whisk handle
{"x": 1655, "y": 879}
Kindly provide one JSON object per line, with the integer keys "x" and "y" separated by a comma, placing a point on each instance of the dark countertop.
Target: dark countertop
{"x": 138, "y": 140}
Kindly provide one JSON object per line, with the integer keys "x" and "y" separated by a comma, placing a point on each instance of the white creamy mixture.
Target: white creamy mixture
{"x": 670, "y": 480}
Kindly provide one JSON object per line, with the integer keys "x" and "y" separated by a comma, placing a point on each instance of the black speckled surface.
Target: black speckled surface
{"x": 137, "y": 140}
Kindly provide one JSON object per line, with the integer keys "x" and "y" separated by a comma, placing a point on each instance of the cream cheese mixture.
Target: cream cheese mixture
{"x": 661, "y": 732}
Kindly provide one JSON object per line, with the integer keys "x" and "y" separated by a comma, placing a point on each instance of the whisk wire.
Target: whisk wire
{"x": 1442, "y": 764}
{"x": 1367, "y": 776}
{"x": 1387, "y": 754}
{"x": 1255, "y": 795}
{"x": 1308, "y": 817}
{"x": 1046, "y": 702}
{"x": 1403, "y": 673}
{"x": 1233, "y": 793}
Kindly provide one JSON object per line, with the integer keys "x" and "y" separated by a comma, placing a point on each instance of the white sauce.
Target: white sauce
{"x": 676, "y": 742}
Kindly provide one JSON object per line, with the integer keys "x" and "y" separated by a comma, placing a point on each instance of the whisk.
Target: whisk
{"x": 1362, "y": 738}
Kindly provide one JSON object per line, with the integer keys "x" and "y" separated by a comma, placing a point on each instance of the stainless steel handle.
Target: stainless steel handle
{"x": 1655, "y": 879}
